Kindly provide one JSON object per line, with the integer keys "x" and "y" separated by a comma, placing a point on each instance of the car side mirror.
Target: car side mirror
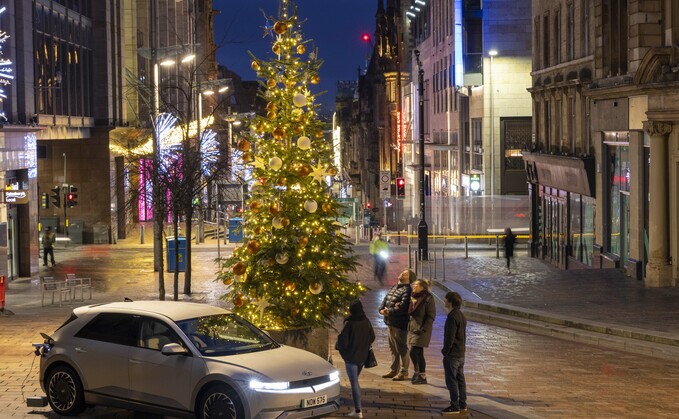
{"x": 173, "y": 349}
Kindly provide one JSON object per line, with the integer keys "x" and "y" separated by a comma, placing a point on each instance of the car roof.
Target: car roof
{"x": 175, "y": 310}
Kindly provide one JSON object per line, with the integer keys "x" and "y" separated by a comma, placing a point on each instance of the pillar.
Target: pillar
{"x": 658, "y": 270}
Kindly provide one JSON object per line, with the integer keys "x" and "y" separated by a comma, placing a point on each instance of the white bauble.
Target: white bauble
{"x": 276, "y": 222}
{"x": 275, "y": 163}
{"x": 304, "y": 143}
{"x": 316, "y": 288}
{"x": 299, "y": 100}
{"x": 282, "y": 258}
{"x": 310, "y": 205}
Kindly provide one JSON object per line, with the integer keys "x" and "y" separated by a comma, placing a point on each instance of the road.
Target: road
{"x": 510, "y": 374}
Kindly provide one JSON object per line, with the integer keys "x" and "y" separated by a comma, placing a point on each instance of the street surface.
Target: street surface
{"x": 510, "y": 374}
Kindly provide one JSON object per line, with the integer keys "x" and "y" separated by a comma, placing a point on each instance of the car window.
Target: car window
{"x": 154, "y": 334}
{"x": 225, "y": 334}
{"x": 117, "y": 328}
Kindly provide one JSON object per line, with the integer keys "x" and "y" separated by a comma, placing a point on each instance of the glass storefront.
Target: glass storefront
{"x": 582, "y": 212}
{"x": 618, "y": 198}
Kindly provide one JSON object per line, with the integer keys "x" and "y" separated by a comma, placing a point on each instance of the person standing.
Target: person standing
{"x": 394, "y": 308}
{"x": 48, "y": 239}
{"x": 454, "y": 343}
{"x": 422, "y": 313}
{"x": 510, "y": 239}
{"x": 379, "y": 249}
{"x": 353, "y": 344}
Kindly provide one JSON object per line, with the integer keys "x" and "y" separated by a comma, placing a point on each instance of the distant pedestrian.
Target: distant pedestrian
{"x": 422, "y": 313}
{"x": 353, "y": 344}
{"x": 394, "y": 308}
{"x": 48, "y": 240}
{"x": 454, "y": 343}
{"x": 379, "y": 249}
{"x": 510, "y": 239}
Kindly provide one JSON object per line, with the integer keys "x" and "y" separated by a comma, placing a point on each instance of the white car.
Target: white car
{"x": 180, "y": 359}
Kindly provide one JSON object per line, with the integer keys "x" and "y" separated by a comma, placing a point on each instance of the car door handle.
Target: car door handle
{"x": 80, "y": 350}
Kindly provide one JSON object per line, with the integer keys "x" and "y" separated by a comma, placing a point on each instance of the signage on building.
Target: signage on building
{"x": 385, "y": 184}
{"x": 15, "y": 197}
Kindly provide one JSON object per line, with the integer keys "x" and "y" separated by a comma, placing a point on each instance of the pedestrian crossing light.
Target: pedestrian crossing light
{"x": 56, "y": 196}
{"x": 400, "y": 188}
{"x": 44, "y": 200}
{"x": 72, "y": 196}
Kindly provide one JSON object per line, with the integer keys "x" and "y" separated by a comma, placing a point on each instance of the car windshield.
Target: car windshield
{"x": 225, "y": 334}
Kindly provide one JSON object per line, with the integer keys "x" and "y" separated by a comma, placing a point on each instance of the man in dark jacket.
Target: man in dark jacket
{"x": 454, "y": 342}
{"x": 394, "y": 308}
{"x": 353, "y": 343}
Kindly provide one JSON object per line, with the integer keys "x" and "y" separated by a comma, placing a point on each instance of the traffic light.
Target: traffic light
{"x": 44, "y": 200}
{"x": 368, "y": 205}
{"x": 56, "y": 196}
{"x": 400, "y": 188}
{"x": 72, "y": 196}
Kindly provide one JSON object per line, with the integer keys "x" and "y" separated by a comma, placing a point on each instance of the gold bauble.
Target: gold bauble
{"x": 281, "y": 181}
{"x": 319, "y": 134}
{"x": 285, "y": 221}
{"x": 255, "y": 205}
{"x": 324, "y": 264}
{"x": 280, "y": 27}
{"x": 255, "y": 66}
{"x": 336, "y": 284}
{"x": 271, "y": 83}
{"x": 259, "y": 230}
{"x": 253, "y": 246}
{"x": 274, "y": 209}
{"x": 301, "y": 49}
{"x": 299, "y": 129}
{"x": 238, "y": 300}
{"x": 303, "y": 241}
{"x": 304, "y": 170}
{"x": 315, "y": 79}
{"x": 243, "y": 145}
{"x": 332, "y": 171}
{"x": 247, "y": 157}
{"x": 276, "y": 48}
{"x": 271, "y": 114}
{"x": 279, "y": 133}
{"x": 316, "y": 288}
{"x": 326, "y": 207}
{"x": 289, "y": 285}
{"x": 227, "y": 281}
{"x": 239, "y": 268}
{"x": 271, "y": 106}
{"x": 316, "y": 231}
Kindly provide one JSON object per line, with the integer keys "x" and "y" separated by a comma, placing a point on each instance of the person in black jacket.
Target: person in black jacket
{"x": 454, "y": 342}
{"x": 394, "y": 308}
{"x": 353, "y": 344}
{"x": 510, "y": 239}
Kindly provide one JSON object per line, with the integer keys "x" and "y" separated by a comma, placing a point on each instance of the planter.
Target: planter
{"x": 312, "y": 340}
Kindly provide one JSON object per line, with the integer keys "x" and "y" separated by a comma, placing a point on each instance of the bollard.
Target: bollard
{"x": 141, "y": 234}
{"x": 443, "y": 263}
{"x": 410, "y": 255}
{"x": 417, "y": 262}
{"x": 410, "y": 233}
{"x": 358, "y": 231}
{"x": 497, "y": 246}
{"x": 466, "y": 247}
{"x": 434, "y": 263}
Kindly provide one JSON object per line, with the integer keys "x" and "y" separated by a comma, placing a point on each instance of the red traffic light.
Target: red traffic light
{"x": 69, "y": 197}
{"x": 365, "y": 37}
{"x": 368, "y": 205}
{"x": 400, "y": 181}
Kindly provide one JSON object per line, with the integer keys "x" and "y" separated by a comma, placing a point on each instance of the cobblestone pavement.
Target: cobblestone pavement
{"x": 510, "y": 374}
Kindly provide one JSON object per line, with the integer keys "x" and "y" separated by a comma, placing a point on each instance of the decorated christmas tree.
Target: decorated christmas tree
{"x": 292, "y": 270}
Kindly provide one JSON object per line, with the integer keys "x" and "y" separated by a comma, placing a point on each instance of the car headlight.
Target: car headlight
{"x": 261, "y": 386}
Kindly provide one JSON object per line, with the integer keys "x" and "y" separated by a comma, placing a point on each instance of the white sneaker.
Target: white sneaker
{"x": 355, "y": 414}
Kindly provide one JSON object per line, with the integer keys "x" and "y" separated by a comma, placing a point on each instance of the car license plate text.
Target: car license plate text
{"x": 315, "y": 401}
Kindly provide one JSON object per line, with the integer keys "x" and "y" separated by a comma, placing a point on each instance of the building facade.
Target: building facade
{"x": 604, "y": 166}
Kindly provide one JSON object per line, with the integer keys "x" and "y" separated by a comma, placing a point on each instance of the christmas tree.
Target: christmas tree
{"x": 292, "y": 271}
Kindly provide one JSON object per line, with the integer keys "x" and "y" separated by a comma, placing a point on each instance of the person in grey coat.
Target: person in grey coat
{"x": 353, "y": 344}
{"x": 422, "y": 313}
{"x": 394, "y": 308}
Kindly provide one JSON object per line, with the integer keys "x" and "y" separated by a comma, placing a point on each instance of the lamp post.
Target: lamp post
{"x": 422, "y": 233}
{"x": 492, "y": 53}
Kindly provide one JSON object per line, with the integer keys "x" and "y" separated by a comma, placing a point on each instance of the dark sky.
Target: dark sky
{"x": 335, "y": 26}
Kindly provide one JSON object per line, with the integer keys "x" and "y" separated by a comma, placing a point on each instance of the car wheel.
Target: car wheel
{"x": 220, "y": 402}
{"x": 65, "y": 391}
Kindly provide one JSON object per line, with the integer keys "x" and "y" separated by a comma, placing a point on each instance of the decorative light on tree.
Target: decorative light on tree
{"x": 296, "y": 259}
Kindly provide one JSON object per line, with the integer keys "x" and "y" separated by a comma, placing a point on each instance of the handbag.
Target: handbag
{"x": 371, "y": 361}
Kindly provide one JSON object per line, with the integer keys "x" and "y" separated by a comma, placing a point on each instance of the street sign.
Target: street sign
{"x": 385, "y": 184}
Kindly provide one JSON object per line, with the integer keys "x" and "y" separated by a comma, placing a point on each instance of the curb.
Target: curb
{"x": 627, "y": 339}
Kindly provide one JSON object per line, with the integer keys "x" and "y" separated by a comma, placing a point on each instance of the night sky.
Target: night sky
{"x": 334, "y": 26}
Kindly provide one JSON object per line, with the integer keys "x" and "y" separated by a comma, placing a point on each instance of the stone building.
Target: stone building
{"x": 603, "y": 169}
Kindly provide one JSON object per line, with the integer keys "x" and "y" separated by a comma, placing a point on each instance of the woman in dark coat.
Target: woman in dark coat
{"x": 353, "y": 343}
{"x": 510, "y": 239}
{"x": 422, "y": 313}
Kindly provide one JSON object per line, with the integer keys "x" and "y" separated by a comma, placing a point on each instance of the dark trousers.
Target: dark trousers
{"x": 457, "y": 386}
{"x": 417, "y": 356}
{"x": 47, "y": 251}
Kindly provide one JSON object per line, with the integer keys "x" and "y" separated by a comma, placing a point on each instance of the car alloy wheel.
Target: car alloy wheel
{"x": 65, "y": 392}
{"x": 220, "y": 402}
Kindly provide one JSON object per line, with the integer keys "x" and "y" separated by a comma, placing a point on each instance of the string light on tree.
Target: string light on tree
{"x": 300, "y": 264}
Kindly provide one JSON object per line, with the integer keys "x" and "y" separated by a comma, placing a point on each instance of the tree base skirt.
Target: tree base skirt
{"x": 312, "y": 340}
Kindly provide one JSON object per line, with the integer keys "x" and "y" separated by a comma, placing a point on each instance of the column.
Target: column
{"x": 658, "y": 270}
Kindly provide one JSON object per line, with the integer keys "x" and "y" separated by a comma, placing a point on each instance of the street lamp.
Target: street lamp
{"x": 492, "y": 53}
{"x": 422, "y": 233}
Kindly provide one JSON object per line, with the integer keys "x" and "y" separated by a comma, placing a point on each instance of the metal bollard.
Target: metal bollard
{"x": 466, "y": 247}
{"x": 358, "y": 239}
{"x": 435, "y": 262}
{"x": 443, "y": 263}
{"x": 141, "y": 234}
{"x": 410, "y": 255}
{"x": 417, "y": 262}
{"x": 497, "y": 246}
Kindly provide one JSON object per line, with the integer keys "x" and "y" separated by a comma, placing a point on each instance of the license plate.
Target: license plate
{"x": 315, "y": 401}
